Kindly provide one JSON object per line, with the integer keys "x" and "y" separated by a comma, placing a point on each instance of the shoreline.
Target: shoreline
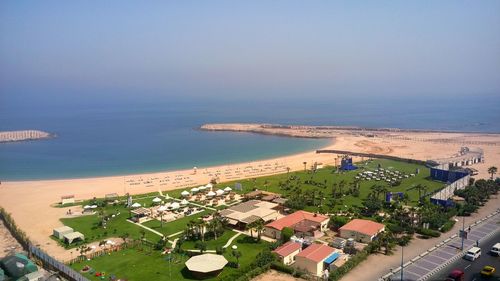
{"x": 331, "y": 142}
{"x": 29, "y": 202}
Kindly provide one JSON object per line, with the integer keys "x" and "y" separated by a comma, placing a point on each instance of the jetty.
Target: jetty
{"x": 11, "y": 136}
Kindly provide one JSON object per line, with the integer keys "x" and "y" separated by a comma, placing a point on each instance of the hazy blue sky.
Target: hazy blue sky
{"x": 68, "y": 49}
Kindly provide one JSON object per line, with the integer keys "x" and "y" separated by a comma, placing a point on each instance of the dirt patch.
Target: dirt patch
{"x": 276, "y": 276}
{"x": 8, "y": 244}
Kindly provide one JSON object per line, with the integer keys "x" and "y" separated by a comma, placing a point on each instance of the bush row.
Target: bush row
{"x": 11, "y": 225}
{"x": 428, "y": 232}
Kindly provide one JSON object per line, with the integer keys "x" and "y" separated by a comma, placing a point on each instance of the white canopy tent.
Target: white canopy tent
{"x": 219, "y": 192}
{"x": 228, "y": 189}
{"x": 175, "y": 205}
{"x": 136, "y": 205}
{"x": 185, "y": 193}
{"x": 210, "y": 194}
{"x": 156, "y": 200}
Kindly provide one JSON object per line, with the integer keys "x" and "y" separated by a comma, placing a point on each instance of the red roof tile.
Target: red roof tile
{"x": 317, "y": 252}
{"x": 287, "y": 248}
{"x": 363, "y": 226}
{"x": 295, "y": 218}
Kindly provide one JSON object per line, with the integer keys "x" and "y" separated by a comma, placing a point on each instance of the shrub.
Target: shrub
{"x": 428, "y": 232}
{"x": 286, "y": 234}
{"x": 447, "y": 226}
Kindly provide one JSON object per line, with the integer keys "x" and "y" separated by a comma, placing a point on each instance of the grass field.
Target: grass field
{"x": 211, "y": 244}
{"x": 327, "y": 177}
{"x": 136, "y": 265}
{"x": 173, "y": 226}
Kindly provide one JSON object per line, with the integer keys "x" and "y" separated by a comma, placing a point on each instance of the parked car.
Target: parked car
{"x": 495, "y": 249}
{"x": 487, "y": 271}
{"x": 473, "y": 254}
{"x": 456, "y": 275}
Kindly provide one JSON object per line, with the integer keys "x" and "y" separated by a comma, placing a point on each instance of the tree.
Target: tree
{"x": 259, "y": 227}
{"x": 237, "y": 255}
{"x": 124, "y": 236}
{"x": 250, "y": 227}
{"x": 286, "y": 234}
{"x": 492, "y": 170}
{"x": 201, "y": 245}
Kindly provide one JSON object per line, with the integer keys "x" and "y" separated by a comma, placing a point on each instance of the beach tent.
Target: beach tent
{"x": 219, "y": 192}
{"x": 136, "y": 205}
{"x": 175, "y": 206}
{"x": 70, "y": 237}
{"x": 228, "y": 189}
{"x": 210, "y": 194}
{"x": 156, "y": 200}
{"x": 60, "y": 231}
{"x": 185, "y": 193}
{"x": 184, "y": 202}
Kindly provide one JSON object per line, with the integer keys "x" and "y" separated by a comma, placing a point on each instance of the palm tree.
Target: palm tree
{"x": 237, "y": 255}
{"x": 250, "y": 226}
{"x": 492, "y": 170}
{"x": 259, "y": 227}
{"x": 378, "y": 189}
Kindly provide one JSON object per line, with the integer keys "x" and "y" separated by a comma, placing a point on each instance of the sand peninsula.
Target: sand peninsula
{"x": 30, "y": 202}
{"x": 23, "y": 135}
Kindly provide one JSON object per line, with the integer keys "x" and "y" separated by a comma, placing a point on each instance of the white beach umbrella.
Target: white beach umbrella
{"x": 202, "y": 188}
{"x": 219, "y": 192}
{"x": 156, "y": 200}
{"x": 194, "y": 189}
{"x": 227, "y": 189}
{"x": 185, "y": 193}
{"x": 86, "y": 207}
{"x": 93, "y": 206}
{"x": 184, "y": 202}
{"x": 136, "y": 205}
{"x": 175, "y": 205}
{"x": 162, "y": 209}
{"x": 211, "y": 194}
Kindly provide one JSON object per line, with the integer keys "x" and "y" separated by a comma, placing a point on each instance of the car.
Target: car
{"x": 495, "y": 249}
{"x": 473, "y": 254}
{"x": 456, "y": 275}
{"x": 488, "y": 271}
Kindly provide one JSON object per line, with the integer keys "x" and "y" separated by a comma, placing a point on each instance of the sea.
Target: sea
{"x": 118, "y": 137}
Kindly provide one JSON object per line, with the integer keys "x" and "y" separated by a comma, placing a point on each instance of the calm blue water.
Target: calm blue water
{"x": 113, "y": 138}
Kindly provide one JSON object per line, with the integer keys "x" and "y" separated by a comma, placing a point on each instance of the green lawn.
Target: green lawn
{"x": 174, "y": 226}
{"x": 272, "y": 183}
{"x": 136, "y": 265}
{"x": 211, "y": 244}
{"x": 117, "y": 226}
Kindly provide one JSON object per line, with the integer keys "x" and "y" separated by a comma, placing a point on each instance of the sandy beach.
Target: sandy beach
{"x": 29, "y": 202}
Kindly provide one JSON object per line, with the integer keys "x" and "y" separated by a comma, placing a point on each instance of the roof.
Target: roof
{"x": 295, "y": 218}
{"x": 206, "y": 263}
{"x": 287, "y": 248}
{"x": 141, "y": 211}
{"x": 73, "y": 235}
{"x": 250, "y": 211}
{"x": 17, "y": 265}
{"x": 363, "y": 226}
{"x": 306, "y": 226}
{"x": 63, "y": 229}
{"x": 317, "y": 252}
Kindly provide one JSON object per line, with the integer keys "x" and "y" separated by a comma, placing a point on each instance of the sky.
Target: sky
{"x": 71, "y": 50}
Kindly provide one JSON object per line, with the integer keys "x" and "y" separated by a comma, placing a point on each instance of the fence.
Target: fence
{"x": 108, "y": 250}
{"x": 53, "y": 264}
{"x": 371, "y": 155}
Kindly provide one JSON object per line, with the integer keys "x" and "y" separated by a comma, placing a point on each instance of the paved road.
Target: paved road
{"x": 472, "y": 269}
{"x": 435, "y": 259}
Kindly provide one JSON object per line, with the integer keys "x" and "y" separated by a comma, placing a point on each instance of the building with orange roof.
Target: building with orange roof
{"x": 288, "y": 251}
{"x": 315, "y": 259}
{"x": 303, "y": 223}
{"x": 361, "y": 230}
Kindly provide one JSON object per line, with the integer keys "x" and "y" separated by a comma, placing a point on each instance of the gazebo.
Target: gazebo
{"x": 140, "y": 214}
{"x": 206, "y": 265}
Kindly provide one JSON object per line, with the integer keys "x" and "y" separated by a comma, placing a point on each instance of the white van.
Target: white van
{"x": 495, "y": 249}
{"x": 473, "y": 253}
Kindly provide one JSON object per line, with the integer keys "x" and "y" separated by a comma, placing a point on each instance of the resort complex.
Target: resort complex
{"x": 311, "y": 223}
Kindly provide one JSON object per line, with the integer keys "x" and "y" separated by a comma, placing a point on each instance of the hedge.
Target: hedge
{"x": 447, "y": 226}
{"x": 428, "y": 232}
{"x": 11, "y": 225}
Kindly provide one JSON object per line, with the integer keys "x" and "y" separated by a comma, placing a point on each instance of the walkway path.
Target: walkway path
{"x": 147, "y": 228}
{"x": 379, "y": 264}
{"x": 231, "y": 240}
{"x": 175, "y": 234}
